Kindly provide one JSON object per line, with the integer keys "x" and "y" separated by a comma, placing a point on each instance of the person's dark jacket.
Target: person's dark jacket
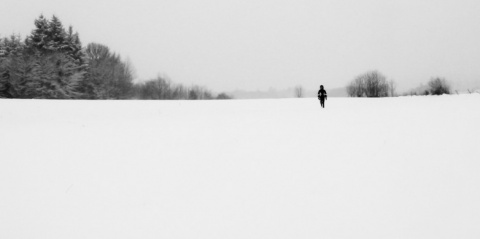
{"x": 322, "y": 94}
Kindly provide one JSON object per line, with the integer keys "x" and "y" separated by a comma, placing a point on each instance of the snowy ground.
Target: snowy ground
{"x": 406, "y": 167}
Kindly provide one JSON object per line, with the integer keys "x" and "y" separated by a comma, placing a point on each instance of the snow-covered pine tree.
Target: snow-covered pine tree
{"x": 3, "y": 51}
{"x": 11, "y": 66}
{"x": 39, "y": 36}
{"x": 55, "y": 76}
{"x": 75, "y": 49}
{"x": 77, "y": 54}
{"x": 12, "y": 45}
{"x": 50, "y": 64}
{"x": 60, "y": 63}
{"x": 48, "y": 36}
{"x": 16, "y": 76}
{"x": 56, "y": 36}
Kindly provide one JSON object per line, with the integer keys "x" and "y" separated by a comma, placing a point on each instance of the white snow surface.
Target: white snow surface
{"x": 405, "y": 167}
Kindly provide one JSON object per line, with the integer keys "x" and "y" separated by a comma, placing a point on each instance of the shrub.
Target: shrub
{"x": 370, "y": 84}
{"x": 438, "y": 86}
{"x": 223, "y": 96}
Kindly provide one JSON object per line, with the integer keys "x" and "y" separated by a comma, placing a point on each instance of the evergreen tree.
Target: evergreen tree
{"x": 39, "y": 38}
{"x": 16, "y": 76}
{"x": 56, "y": 36}
{"x": 60, "y": 66}
{"x": 11, "y": 46}
{"x": 59, "y": 77}
{"x": 74, "y": 49}
{"x": 51, "y": 76}
{"x": 11, "y": 77}
{"x": 49, "y": 36}
{"x": 77, "y": 54}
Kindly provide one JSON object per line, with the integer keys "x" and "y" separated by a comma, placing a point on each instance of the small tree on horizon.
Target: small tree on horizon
{"x": 223, "y": 96}
{"x": 438, "y": 86}
{"x": 370, "y": 84}
{"x": 299, "y": 91}
{"x": 392, "y": 86}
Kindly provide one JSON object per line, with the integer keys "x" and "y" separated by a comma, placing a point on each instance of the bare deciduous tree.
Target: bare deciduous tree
{"x": 111, "y": 76}
{"x": 356, "y": 88}
{"x": 370, "y": 84}
{"x": 392, "y": 87}
{"x": 299, "y": 91}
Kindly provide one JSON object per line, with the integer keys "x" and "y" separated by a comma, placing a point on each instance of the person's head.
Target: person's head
{"x": 321, "y": 87}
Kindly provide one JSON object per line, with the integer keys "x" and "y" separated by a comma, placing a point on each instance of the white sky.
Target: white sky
{"x": 241, "y": 44}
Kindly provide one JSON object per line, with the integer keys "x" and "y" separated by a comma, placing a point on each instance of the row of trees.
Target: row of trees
{"x": 375, "y": 84}
{"x": 51, "y": 63}
{"x": 162, "y": 89}
{"x": 435, "y": 86}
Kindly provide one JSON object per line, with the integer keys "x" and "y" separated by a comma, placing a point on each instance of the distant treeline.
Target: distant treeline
{"x": 375, "y": 84}
{"x": 51, "y": 63}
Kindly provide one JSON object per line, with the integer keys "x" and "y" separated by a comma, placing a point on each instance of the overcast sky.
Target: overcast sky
{"x": 242, "y": 44}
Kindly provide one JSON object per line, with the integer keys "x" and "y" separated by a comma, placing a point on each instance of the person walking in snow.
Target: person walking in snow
{"x": 322, "y": 96}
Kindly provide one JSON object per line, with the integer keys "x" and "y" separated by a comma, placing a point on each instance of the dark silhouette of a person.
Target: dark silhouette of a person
{"x": 322, "y": 96}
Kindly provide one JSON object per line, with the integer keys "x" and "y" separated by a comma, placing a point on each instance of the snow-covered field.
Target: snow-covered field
{"x": 406, "y": 167}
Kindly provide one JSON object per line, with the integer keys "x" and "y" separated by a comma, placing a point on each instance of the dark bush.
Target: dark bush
{"x": 438, "y": 86}
{"x": 223, "y": 96}
{"x": 370, "y": 84}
